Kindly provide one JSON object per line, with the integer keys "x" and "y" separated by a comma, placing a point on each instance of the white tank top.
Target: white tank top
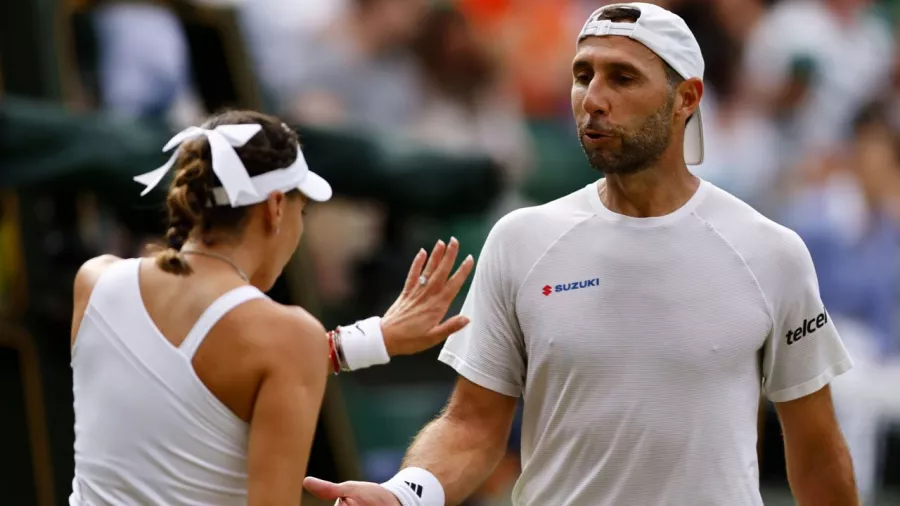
{"x": 147, "y": 430}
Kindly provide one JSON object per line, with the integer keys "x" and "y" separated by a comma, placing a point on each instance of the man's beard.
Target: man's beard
{"x": 639, "y": 149}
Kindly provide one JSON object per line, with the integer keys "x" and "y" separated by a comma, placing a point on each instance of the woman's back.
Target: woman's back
{"x": 155, "y": 423}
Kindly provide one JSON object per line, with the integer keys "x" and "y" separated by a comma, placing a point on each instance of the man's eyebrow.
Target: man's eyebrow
{"x": 624, "y": 67}
{"x": 581, "y": 64}
{"x": 618, "y": 66}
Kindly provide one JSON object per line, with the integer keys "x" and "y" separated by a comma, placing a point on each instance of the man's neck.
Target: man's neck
{"x": 648, "y": 193}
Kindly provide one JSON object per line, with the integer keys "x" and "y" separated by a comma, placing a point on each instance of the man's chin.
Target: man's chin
{"x": 610, "y": 165}
{"x": 602, "y": 161}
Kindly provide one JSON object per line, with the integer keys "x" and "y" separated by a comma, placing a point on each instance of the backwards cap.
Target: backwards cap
{"x": 667, "y": 35}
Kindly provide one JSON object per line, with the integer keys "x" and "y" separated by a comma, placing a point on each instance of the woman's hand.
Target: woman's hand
{"x": 413, "y": 322}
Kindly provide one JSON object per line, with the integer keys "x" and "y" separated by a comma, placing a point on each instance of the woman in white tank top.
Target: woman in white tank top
{"x": 191, "y": 386}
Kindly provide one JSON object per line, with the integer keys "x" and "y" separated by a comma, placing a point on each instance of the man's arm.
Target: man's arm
{"x": 460, "y": 448}
{"x": 464, "y": 445}
{"x": 819, "y": 467}
{"x": 455, "y": 453}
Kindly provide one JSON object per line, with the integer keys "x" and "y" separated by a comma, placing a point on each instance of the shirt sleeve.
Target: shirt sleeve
{"x": 490, "y": 350}
{"x": 804, "y": 351}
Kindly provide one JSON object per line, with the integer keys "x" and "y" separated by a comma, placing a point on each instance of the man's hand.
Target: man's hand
{"x": 351, "y": 493}
{"x": 413, "y": 322}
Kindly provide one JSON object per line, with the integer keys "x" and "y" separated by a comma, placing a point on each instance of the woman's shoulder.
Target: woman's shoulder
{"x": 285, "y": 332}
{"x": 90, "y": 272}
{"x": 85, "y": 280}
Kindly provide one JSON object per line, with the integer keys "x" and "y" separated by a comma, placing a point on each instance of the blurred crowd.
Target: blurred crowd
{"x": 801, "y": 116}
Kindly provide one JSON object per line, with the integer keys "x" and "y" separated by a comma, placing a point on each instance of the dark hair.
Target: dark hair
{"x": 629, "y": 14}
{"x": 190, "y": 192}
{"x": 620, "y": 14}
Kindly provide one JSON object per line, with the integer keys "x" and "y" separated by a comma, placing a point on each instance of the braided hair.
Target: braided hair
{"x": 191, "y": 189}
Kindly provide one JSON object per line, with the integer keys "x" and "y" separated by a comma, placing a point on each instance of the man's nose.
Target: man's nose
{"x": 596, "y": 99}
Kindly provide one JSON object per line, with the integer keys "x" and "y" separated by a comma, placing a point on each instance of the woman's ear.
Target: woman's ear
{"x": 275, "y": 211}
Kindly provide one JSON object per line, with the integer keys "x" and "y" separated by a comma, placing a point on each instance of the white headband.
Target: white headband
{"x": 238, "y": 188}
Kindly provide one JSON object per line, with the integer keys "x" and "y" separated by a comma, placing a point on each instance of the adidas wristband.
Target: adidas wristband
{"x": 415, "y": 486}
{"x": 362, "y": 344}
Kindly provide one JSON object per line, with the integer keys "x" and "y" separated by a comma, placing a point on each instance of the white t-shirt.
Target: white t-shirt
{"x": 641, "y": 345}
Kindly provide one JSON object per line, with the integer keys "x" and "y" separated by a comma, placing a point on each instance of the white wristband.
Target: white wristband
{"x": 415, "y": 486}
{"x": 363, "y": 345}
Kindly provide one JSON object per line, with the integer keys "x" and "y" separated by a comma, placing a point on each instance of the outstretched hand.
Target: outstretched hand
{"x": 414, "y": 322}
{"x": 351, "y": 493}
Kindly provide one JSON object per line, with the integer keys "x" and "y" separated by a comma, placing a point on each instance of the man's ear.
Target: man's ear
{"x": 689, "y": 92}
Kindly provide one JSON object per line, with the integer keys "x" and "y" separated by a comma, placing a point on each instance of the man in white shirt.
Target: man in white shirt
{"x": 640, "y": 318}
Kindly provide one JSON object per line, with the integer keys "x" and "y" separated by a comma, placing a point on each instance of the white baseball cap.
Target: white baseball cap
{"x": 667, "y": 35}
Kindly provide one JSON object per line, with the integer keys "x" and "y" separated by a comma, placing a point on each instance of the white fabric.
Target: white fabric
{"x": 238, "y": 188}
{"x": 363, "y": 344}
{"x": 414, "y": 486}
{"x": 667, "y": 35}
{"x": 225, "y": 161}
{"x": 147, "y": 430}
{"x": 296, "y": 176}
{"x": 640, "y": 346}
{"x": 212, "y": 315}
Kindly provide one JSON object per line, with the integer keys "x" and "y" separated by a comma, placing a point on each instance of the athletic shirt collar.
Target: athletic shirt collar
{"x": 606, "y": 214}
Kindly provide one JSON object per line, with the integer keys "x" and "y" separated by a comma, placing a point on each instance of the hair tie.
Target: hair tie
{"x": 176, "y": 242}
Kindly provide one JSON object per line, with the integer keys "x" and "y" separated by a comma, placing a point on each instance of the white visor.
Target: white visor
{"x": 238, "y": 188}
{"x": 295, "y": 177}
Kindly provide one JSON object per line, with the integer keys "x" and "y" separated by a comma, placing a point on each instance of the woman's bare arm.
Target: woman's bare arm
{"x": 286, "y": 409}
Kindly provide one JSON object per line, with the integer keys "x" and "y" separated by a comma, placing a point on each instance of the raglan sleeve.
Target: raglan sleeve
{"x": 490, "y": 351}
{"x": 804, "y": 352}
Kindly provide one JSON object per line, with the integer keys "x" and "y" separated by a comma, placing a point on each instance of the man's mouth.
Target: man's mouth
{"x": 597, "y": 135}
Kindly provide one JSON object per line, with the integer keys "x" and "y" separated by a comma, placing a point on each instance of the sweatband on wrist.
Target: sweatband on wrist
{"x": 414, "y": 486}
{"x": 362, "y": 344}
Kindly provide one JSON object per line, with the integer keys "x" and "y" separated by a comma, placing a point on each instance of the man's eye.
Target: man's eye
{"x": 582, "y": 78}
{"x": 623, "y": 79}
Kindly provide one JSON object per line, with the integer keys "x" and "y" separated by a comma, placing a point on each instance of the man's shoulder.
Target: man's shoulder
{"x": 753, "y": 235}
{"x": 542, "y": 221}
{"x": 520, "y": 239}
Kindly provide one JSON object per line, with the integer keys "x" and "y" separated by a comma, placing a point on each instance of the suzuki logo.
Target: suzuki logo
{"x": 547, "y": 289}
